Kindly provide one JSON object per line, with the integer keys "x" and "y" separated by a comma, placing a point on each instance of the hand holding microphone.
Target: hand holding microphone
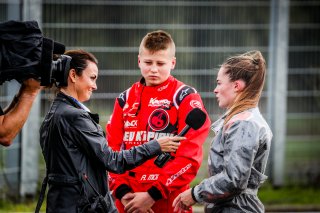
{"x": 195, "y": 119}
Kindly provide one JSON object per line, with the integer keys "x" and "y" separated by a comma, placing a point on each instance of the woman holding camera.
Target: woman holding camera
{"x": 75, "y": 149}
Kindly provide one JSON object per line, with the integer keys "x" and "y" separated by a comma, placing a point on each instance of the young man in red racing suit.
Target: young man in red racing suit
{"x": 154, "y": 107}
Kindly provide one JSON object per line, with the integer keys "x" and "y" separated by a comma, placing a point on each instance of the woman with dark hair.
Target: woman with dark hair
{"x": 75, "y": 149}
{"x": 239, "y": 151}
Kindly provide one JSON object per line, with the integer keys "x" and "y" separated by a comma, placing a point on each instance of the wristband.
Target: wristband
{"x": 122, "y": 190}
{"x": 192, "y": 194}
{"x": 155, "y": 193}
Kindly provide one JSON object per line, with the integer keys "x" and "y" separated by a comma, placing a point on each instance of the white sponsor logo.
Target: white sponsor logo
{"x": 183, "y": 94}
{"x": 195, "y": 104}
{"x": 128, "y": 124}
{"x": 125, "y": 106}
{"x": 154, "y": 102}
{"x": 175, "y": 176}
{"x": 139, "y": 136}
{"x": 132, "y": 112}
{"x": 163, "y": 88}
{"x": 150, "y": 177}
{"x": 121, "y": 96}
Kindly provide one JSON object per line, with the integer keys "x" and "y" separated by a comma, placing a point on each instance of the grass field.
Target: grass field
{"x": 286, "y": 198}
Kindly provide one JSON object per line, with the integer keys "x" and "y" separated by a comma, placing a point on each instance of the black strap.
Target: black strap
{"x": 42, "y": 194}
{"x": 104, "y": 201}
{"x": 44, "y": 183}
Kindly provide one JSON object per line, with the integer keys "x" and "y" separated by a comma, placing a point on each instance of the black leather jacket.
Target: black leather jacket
{"x": 73, "y": 144}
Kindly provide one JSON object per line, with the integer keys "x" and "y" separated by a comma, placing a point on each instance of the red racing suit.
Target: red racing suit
{"x": 142, "y": 113}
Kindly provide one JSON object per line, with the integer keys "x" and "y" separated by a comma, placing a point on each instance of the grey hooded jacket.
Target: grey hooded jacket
{"x": 237, "y": 161}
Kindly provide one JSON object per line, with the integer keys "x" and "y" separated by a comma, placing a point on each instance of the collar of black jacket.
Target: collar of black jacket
{"x": 94, "y": 116}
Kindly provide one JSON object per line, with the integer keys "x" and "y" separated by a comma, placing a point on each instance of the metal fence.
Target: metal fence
{"x": 205, "y": 33}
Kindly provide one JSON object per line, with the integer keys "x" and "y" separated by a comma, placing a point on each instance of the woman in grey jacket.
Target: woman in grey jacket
{"x": 239, "y": 151}
{"x": 75, "y": 149}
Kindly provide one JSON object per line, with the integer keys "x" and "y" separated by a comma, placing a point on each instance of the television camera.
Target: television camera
{"x": 26, "y": 53}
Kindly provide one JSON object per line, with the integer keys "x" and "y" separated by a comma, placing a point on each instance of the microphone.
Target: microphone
{"x": 195, "y": 119}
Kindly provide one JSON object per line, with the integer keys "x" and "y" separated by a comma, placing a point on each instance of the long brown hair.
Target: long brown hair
{"x": 251, "y": 68}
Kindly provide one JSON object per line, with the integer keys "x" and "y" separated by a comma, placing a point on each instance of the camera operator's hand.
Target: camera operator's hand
{"x": 29, "y": 87}
{"x": 170, "y": 144}
{"x": 16, "y": 114}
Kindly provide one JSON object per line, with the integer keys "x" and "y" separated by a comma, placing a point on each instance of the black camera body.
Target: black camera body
{"x": 54, "y": 71}
{"x": 26, "y": 53}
